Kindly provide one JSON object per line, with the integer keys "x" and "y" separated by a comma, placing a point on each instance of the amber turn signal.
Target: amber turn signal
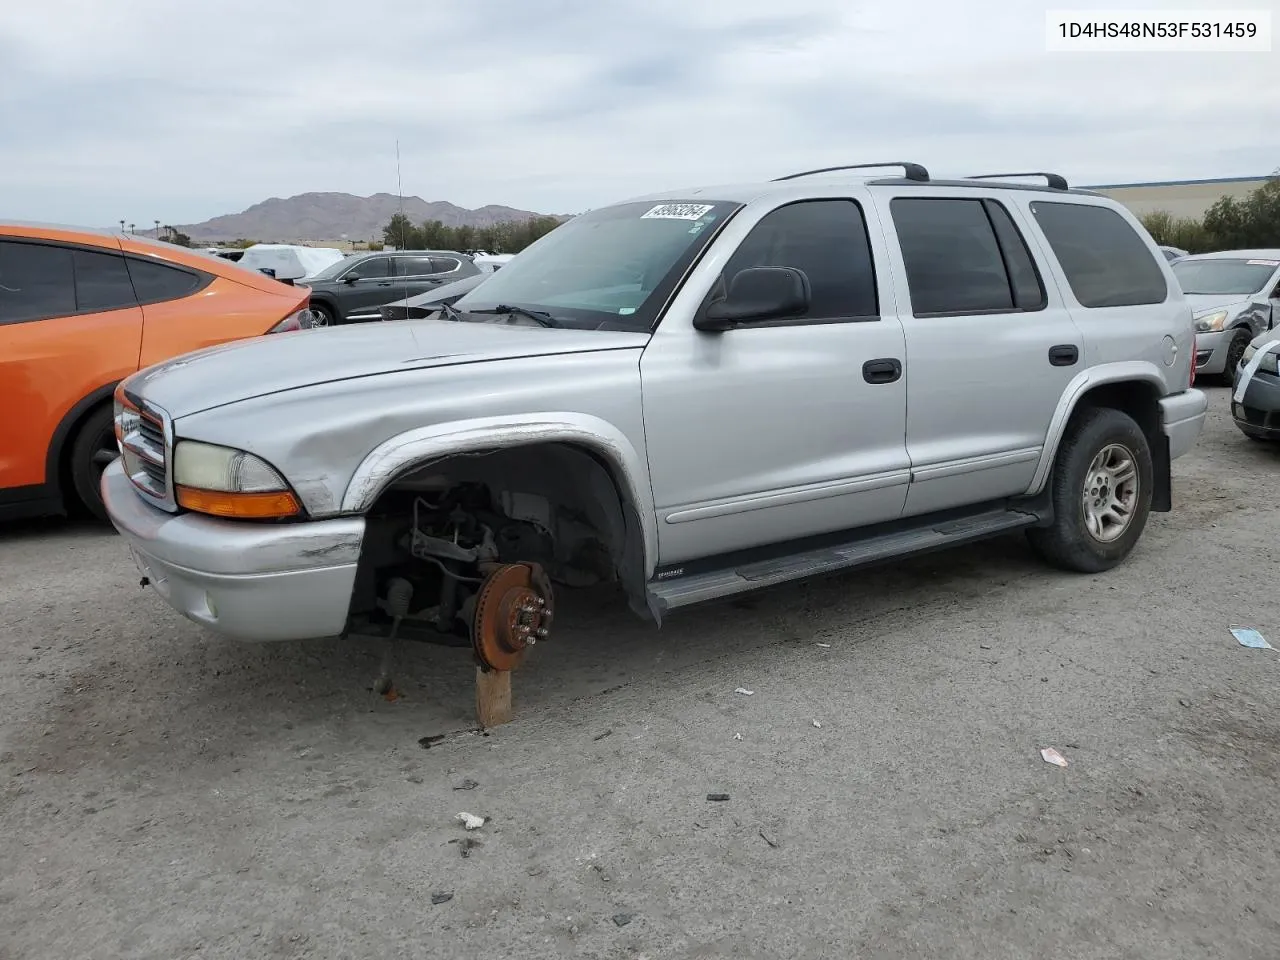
{"x": 242, "y": 506}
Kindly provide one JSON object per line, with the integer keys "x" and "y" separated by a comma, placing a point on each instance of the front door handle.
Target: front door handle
{"x": 1064, "y": 354}
{"x": 886, "y": 370}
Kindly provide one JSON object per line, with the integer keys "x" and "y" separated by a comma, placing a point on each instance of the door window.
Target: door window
{"x": 414, "y": 266}
{"x": 102, "y": 282}
{"x": 827, "y": 240}
{"x": 372, "y": 269}
{"x": 36, "y": 281}
{"x": 964, "y": 256}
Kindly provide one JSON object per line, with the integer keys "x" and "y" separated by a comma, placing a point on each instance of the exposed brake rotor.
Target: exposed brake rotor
{"x": 512, "y": 612}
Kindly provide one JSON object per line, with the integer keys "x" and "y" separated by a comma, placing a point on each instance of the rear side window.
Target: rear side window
{"x": 154, "y": 282}
{"x": 827, "y": 240}
{"x": 102, "y": 282}
{"x": 964, "y": 256}
{"x": 444, "y": 265}
{"x": 36, "y": 281}
{"x": 1106, "y": 262}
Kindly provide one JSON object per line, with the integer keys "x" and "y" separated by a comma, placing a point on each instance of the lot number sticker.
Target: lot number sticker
{"x": 678, "y": 211}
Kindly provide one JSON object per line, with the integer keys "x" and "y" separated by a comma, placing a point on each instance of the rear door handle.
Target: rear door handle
{"x": 885, "y": 370}
{"x": 1064, "y": 354}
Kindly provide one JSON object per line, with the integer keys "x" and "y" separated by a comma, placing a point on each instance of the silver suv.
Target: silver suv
{"x": 693, "y": 394}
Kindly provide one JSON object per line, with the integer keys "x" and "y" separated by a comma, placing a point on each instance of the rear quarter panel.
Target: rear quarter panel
{"x": 224, "y": 310}
{"x": 1126, "y": 334}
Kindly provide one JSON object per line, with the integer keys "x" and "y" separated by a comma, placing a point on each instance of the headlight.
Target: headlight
{"x": 1211, "y": 322}
{"x": 230, "y": 483}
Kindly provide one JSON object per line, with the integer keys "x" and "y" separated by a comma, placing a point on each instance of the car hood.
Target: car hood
{"x": 285, "y": 361}
{"x": 1204, "y": 302}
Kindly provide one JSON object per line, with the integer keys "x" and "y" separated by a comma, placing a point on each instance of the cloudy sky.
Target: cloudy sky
{"x": 182, "y": 110}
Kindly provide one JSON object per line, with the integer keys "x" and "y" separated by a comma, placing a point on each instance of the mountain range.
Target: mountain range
{"x": 328, "y": 216}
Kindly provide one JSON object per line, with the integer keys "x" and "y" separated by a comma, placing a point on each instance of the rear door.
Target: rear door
{"x": 70, "y": 328}
{"x": 990, "y": 346}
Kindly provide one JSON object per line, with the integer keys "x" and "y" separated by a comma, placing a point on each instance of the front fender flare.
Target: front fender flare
{"x": 1128, "y": 371}
{"x": 407, "y": 451}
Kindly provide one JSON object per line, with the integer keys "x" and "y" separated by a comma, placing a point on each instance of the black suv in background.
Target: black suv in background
{"x": 352, "y": 290}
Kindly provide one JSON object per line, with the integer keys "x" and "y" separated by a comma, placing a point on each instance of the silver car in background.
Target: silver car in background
{"x": 1235, "y": 295}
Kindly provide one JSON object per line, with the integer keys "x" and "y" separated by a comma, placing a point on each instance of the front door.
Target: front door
{"x": 991, "y": 344}
{"x": 366, "y": 287}
{"x": 772, "y": 432}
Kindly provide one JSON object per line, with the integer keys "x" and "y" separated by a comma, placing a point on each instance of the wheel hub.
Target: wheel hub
{"x": 1110, "y": 493}
{"x": 513, "y": 612}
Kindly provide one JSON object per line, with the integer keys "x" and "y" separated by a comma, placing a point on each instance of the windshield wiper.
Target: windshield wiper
{"x": 450, "y": 311}
{"x": 537, "y": 316}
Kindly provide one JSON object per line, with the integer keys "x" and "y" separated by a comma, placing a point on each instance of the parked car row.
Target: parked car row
{"x": 1234, "y": 296}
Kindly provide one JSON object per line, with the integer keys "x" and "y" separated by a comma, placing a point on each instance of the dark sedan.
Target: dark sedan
{"x": 352, "y": 290}
{"x": 425, "y": 304}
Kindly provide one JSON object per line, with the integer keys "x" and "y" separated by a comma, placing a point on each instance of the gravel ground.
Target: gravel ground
{"x": 166, "y": 794}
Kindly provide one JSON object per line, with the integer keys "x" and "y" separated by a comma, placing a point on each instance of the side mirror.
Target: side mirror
{"x": 757, "y": 294}
{"x": 349, "y": 278}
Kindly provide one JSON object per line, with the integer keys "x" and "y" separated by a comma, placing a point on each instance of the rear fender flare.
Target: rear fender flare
{"x": 413, "y": 449}
{"x": 1128, "y": 371}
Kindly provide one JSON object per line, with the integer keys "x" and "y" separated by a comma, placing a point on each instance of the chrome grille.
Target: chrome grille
{"x": 144, "y": 450}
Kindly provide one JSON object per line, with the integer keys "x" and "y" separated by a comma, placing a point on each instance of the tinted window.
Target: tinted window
{"x": 102, "y": 281}
{"x": 1028, "y": 291}
{"x": 372, "y": 268}
{"x": 35, "y": 281}
{"x": 953, "y": 260}
{"x": 414, "y": 266}
{"x": 1106, "y": 262}
{"x": 827, "y": 239}
{"x": 444, "y": 264}
{"x": 154, "y": 282}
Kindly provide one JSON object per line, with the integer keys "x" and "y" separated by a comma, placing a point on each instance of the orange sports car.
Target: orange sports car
{"x": 80, "y": 310}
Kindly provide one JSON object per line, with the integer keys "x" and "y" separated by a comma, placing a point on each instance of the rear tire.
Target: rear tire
{"x": 1101, "y": 492}
{"x": 93, "y": 448}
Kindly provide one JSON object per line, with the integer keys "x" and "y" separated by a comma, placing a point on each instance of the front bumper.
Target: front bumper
{"x": 1211, "y": 352}
{"x": 1258, "y": 411}
{"x": 250, "y": 581}
{"x": 1182, "y": 418}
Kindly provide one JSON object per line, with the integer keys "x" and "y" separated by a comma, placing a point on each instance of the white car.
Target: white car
{"x": 286, "y": 261}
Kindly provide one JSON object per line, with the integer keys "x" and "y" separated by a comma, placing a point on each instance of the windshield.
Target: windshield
{"x": 1223, "y": 277}
{"x": 609, "y": 269}
{"x": 332, "y": 270}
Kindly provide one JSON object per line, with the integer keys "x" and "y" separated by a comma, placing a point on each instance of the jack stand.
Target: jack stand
{"x": 493, "y": 697}
{"x": 384, "y": 686}
{"x": 399, "y": 593}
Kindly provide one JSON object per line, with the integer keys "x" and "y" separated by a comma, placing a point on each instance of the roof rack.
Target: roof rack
{"x": 913, "y": 170}
{"x": 1055, "y": 181}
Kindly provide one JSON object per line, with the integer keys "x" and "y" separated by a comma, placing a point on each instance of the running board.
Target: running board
{"x": 698, "y": 587}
